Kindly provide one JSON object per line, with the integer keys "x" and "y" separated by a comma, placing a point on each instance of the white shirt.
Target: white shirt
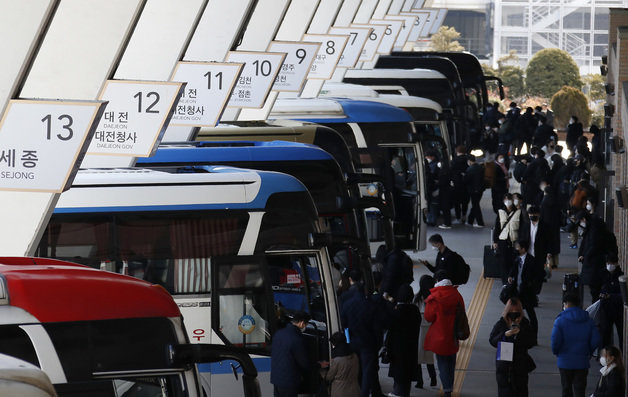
{"x": 533, "y": 229}
{"x": 522, "y": 260}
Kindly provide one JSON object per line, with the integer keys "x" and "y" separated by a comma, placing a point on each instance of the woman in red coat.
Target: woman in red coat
{"x": 440, "y": 310}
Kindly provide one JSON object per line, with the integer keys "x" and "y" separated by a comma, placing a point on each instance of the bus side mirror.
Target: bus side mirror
{"x": 185, "y": 355}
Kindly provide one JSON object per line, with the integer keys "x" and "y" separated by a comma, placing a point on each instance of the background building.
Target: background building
{"x": 579, "y": 27}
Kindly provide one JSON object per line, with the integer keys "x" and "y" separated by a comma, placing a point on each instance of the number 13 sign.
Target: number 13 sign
{"x": 42, "y": 143}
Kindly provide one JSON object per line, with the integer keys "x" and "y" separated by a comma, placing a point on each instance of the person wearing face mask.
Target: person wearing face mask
{"x": 574, "y": 339}
{"x": 513, "y": 327}
{"x": 592, "y": 252}
{"x": 446, "y": 260}
{"x": 537, "y": 170}
{"x": 289, "y": 359}
{"x": 343, "y": 371}
{"x": 543, "y": 132}
{"x": 525, "y": 276}
{"x": 523, "y": 132}
{"x": 612, "y": 382}
{"x": 505, "y": 233}
{"x": 611, "y": 303}
{"x": 500, "y": 182}
{"x": 474, "y": 179}
{"x": 550, "y": 216}
{"x": 535, "y": 233}
{"x": 574, "y": 131}
{"x": 461, "y": 194}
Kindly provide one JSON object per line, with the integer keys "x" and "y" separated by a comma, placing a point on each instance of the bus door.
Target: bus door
{"x": 402, "y": 162}
{"x": 255, "y": 296}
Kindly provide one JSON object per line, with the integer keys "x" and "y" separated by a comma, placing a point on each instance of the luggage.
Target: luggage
{"x": 491, "y": 263}
{"x": 571, "y": 283}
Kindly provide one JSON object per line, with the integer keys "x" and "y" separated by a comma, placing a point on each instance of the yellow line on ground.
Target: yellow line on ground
{"x": 475, "y": 312}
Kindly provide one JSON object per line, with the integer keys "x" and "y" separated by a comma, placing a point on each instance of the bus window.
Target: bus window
{"x": 244, "y": 312}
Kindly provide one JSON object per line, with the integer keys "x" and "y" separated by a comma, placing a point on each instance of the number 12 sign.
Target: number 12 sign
{"x": 42, "y": 143}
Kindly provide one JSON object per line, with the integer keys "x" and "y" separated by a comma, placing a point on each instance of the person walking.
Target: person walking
{"x": 611, "y": 303}
{"x": 525, "y": 275}
{"x": 289, "y": 360}
{"x": 500, "y": 182}
{"x": 440, "y": 310}
{"x": 403, "y": 342}
{"x": 512, "y": 372}
{"x": 461, "y": 194}
{"x": 574, "y": 132}
{"x": 505, "y": 233}
{"x": 343, "y": 370}
{"x": 474, "y": 179}
{"x": 592, "y": 253}
{"x": 426, "y": 283}
{"x": 612, "y": 382}
{"x": 535, "y": 234}
{"x": 446, "y": 259}
{"x": 574, "y": 339}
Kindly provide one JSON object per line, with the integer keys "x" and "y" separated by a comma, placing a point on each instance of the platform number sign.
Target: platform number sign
{"x": 408, "y": 24}
{"x": 373, "y": 42}
{"x": 136, "y": 116}
{"x": 390, "y": 35}
{"x": 419, "y": 24}
{"x": 43, "y": 142}
{"x": 299, "y": 58}
{"x": 209, "y": 87}
{"x": 355, "y": 45}
{"x": 328, "y": 56}
{"x": 257, "y": 78}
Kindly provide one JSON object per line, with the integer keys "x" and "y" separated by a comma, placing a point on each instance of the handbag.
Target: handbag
{"x": 461, "y": 324}
{"x": 507, "y": 292}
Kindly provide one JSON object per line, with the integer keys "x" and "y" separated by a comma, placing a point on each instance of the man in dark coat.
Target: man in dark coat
{"x": 611, "y": 303}
{"x": 289, "y": 359}
{"x": 535, "y": 233}
{"x": 524, "y": 274}
{"x": 574, "y": 131}
{"x": 550, "y": 216}
{"x": 398, "y": 270}
{"x": 592, "y": 253}
{"x": 536, "y": 171}
{"x": 446, "y": 259}
{"x": 461, "y": 194}
{"x": 474, "y": 179}
{"x": 543, "y": 133}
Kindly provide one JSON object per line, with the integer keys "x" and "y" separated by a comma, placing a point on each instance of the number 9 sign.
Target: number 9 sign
{"x": 299, "y": 58}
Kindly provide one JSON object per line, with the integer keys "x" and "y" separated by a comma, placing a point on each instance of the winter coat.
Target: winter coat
{"x": 611, "y": 385}
{"x": 343, "y": 375}
{"x": 403, "y": 342}
{"x": 289, "y": 359}
{"x": 542, "y": 134}
{"x": 524, "y": 340}
{"x": 574, "y": 338}
{"x": 398, "y": 270}
{"x": 550, "y": 216}
{"x": 440, "y": 310}
{"x": 459, "y": 167}
{"x": 530, "y": 279}
{"x": 593, "y": 253}
{"x": 474, "y": 178}
{"x": 425, "y": 357}
{"x": 574, "y": 131}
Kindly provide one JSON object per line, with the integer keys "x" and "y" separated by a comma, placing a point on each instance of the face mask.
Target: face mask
{"x": 610, "y": 267}
{"x": 534, "y": 218}
{"x": 583, "y": 225}
{"x": 434, "y": 247}
{"x": 507, "y": 203}
{"x": 542, "y": 187}
{"x": 487, "y": 128}
{"x": 570, "y": 121}
{"x": 438, "y": 164}
{"x": 500, "y": 160}
{"x": 603, "y": 361}
{"x": 515, "y": 202}
{"x": 589, "y": 207}
{"x": 501, "y": 121}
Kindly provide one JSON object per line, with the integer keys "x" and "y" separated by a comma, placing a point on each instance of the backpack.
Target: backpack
{"x": 461, "y": 270}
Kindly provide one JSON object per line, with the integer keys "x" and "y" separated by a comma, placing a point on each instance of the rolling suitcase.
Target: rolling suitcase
{"x": 491, "y": 263}
{"x": 571, "y": 283}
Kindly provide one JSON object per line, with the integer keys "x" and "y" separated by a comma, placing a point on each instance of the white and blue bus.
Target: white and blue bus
{"x": 238, "y": 250}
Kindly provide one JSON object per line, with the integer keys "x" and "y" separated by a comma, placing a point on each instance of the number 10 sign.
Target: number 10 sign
{"x": 42, "y": 143}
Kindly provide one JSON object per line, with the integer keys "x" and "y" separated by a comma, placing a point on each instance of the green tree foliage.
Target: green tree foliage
{"x": 570, "y": 101}
{"x": 594, "y": 84}
{"x": 549, "y": 70}
{"x": 445, "y": 40}
{"x": 512, "y": 77}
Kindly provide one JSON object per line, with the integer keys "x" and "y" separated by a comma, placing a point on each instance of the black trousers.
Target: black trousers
{"x": 476, "y": 211}
{"x": 512, "y": 384}
{"x": 279, "y": 391}
{"x": 573, "y": 381}
{"x": 461, "y": 204}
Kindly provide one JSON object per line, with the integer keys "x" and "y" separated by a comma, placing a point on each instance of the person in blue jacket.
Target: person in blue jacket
{"x": 289, "y": 359}
{"x": 574, "y": 339}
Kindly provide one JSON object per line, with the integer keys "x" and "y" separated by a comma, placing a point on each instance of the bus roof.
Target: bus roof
{"x": 56, "y": 291}
{"x": 394, "y": 74}
{"x": 139, "y": 189}
{"x": 364, "y": 93}
{"x": 352, "y": 111}
{"x": 441, "y": 64}
{"x": 232, "y": 151}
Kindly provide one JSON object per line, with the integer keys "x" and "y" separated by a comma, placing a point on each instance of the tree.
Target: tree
{"x": 570, "y": 101}
{"x": 445, "y": 40}
{"x": 512, "y": 77}
{"x": 549, "y": 70}
{"x": 594, "y": 84}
